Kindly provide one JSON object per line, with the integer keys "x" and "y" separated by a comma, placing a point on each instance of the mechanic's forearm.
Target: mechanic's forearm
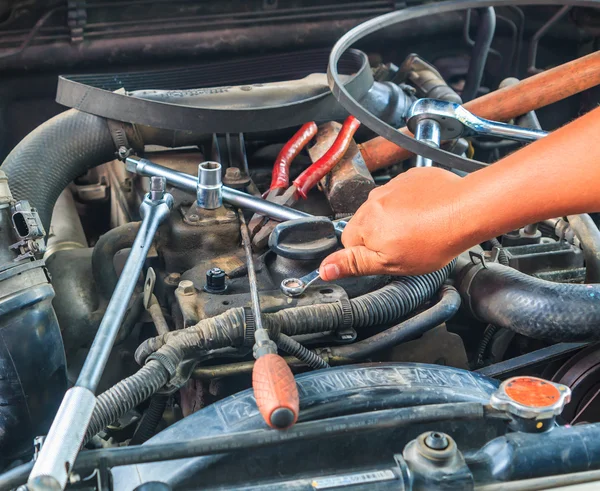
{"x": 556, "y": 176}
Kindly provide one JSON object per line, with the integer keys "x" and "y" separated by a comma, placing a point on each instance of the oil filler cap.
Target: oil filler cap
{"x": 533, "y": 402}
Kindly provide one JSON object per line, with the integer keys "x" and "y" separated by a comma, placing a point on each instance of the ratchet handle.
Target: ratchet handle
{"x": 275, "y": 391}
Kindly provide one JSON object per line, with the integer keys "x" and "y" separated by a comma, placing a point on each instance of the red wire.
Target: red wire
{"x": 281, "y": 168}
{"x": 311, "y": 176}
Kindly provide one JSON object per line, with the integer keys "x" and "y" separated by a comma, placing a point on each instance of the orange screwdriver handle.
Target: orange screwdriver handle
{"x": 275, "y": 391}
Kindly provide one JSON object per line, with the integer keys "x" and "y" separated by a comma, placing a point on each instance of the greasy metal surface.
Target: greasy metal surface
{"x": 348, "y": 185}
{"x": 197, "y": 236}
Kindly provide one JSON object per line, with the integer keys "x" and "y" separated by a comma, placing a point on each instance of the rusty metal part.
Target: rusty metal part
{"x": 426, "y": 79}
{"x": 235, "y": 178}
{"x": 349, "y": 183}
{"x": 197, "y": 236}
{"x": 185, "y": 296}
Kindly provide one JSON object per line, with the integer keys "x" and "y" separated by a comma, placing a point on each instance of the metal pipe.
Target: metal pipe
{"x": 479, "y": 54}
{"x": 236, "y": 198}
{"x": 535, "y": 40}
{"x": 68, "y": 429}
{"x": 239, "y": 368}
{"x": 66, "y": 231}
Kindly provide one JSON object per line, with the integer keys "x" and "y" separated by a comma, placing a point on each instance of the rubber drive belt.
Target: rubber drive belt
{"x": 350, "y": 103}
{"x": 73, "y": 91}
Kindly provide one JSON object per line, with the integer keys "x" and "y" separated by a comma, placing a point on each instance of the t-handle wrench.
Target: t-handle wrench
{"x": 273, "y": 382}
{"x": 55, "y": 460}
{"x": 433, "y": 121}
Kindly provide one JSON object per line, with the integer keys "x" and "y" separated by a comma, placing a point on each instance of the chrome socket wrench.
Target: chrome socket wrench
{"x": 60, "y": 449}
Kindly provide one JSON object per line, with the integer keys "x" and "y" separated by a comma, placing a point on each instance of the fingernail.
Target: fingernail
{"x": 331, "y": 272}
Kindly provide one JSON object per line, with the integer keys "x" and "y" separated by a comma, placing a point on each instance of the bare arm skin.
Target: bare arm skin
{"x": 422, "y": 219}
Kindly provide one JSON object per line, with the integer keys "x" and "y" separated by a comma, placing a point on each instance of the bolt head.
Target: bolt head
{"x": 233, "y": 173}
{"x": 437, "y": 441}
{"x": 186, "y": 287}
{"x": 173, "y": 278}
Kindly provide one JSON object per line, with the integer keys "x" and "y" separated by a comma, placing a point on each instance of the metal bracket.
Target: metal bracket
{"x": 477, "y": 258}
{"x": 76, "y": 19}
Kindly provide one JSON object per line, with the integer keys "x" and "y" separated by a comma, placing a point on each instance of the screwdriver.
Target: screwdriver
{"x": 273, "y": 382}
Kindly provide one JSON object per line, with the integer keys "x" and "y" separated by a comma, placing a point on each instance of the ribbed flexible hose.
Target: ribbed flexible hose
{"x": 54, "y": 154}
{"x": 150, "y": 419}
{"x": 533, "y": 307}
{"x": 294, "y": 348}
{"x": 126, "y": 395}
{"x": 397, "y": 299}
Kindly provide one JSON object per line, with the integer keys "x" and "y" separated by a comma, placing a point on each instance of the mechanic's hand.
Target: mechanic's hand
{"x": 412, "y": 225}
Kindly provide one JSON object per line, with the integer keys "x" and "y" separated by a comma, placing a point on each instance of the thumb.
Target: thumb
{"x": 352, "y": 261}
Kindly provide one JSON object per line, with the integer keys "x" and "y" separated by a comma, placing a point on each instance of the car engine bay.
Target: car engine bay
{"x": 163, "y": 325}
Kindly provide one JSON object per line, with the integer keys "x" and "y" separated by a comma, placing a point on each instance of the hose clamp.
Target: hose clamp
{"x": 165, "y": 360}
{"x": 346, "y": 333}
{"x": 249, "y": 327}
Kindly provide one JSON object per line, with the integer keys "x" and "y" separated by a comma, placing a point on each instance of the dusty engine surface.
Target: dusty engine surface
{"x": 162, "y": 322}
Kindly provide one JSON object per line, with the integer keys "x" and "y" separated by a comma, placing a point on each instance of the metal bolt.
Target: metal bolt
{"x": 158, "y": 186}
{"x": 193, "y": 217}
{"x": 437, "y": 441}
{"x": 173, "y": 278}
{"x": 186, "y": 287}
{"x": 233, "y": 173}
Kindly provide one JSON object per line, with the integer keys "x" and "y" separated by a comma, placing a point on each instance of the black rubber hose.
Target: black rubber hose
{"x": 54, "y": 154}
{"x": 294, "y": 348}
{"x": 105, "y": 249}
{"x": 412, "y": 328}
{"x": 588, "y": 234}
{"x": 531, "y": 306}
{"x": 150, "y": 419}
{"x": 126, "y": 395}
{"x": 480, "y": 52}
